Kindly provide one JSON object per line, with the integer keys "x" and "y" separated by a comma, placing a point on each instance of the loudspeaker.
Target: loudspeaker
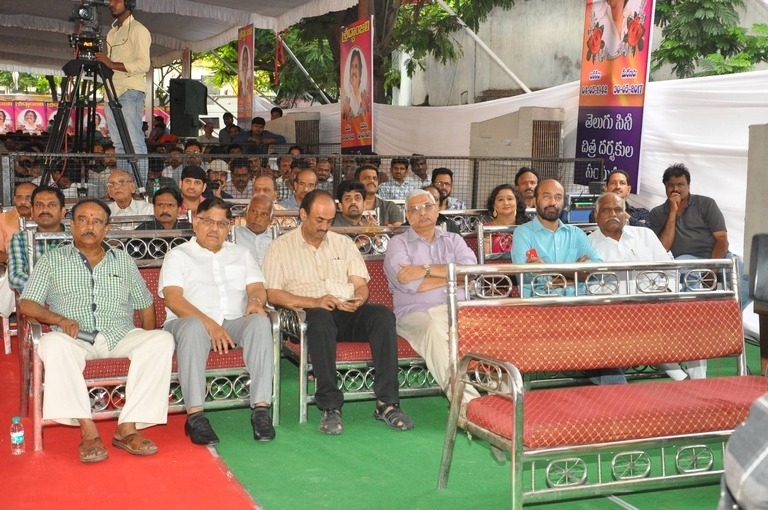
{"x": 758, "y": 268}
{"x": 188, "y": 100}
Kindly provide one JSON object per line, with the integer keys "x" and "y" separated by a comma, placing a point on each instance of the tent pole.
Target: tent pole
{"x": 303, "y": 70}
{"x": 484, "y": 46}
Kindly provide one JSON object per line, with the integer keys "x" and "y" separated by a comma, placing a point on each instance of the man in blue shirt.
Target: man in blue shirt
{"x": 258, "y": 139}
{"x": 548, "y": 240}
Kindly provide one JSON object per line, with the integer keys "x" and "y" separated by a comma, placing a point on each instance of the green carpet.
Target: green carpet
{"x": 372, "y": 467}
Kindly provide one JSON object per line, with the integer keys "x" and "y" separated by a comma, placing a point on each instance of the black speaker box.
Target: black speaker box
{"x": 188, "y": 100}
{"x": 758, "y": 268}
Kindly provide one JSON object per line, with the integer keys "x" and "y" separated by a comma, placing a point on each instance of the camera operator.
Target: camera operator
{"x": 217, "y": 178}
{"x": 127, "y": 54}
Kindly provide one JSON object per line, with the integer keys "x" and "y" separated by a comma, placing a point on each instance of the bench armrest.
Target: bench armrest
{"x": 293, "y": 321}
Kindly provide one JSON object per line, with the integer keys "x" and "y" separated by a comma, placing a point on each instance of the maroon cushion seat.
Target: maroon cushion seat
{"x": 595, "y": 414}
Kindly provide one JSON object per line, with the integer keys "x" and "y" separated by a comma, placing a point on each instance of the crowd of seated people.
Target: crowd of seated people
{"x": 198, "y": 175}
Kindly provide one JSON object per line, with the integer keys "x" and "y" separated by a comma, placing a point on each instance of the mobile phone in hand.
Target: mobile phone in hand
{"x": 353, "y": 300}
{"x": 531, "y": 254}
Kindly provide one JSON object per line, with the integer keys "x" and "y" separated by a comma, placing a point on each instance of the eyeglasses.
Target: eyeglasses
{"x": 423, "y": 207}
{"x": 208, "y": 222}
{"x": 441, "y": 184}
{"x": 119, "y": 184}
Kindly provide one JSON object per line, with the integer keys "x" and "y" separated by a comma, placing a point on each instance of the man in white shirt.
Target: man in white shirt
{"x": 256, "y": 235}
{"x": 618, "y": 242}
{"x": 207, "y": 138}
{"x": 120, "y": 188}
{"x": 214, "y": 293}
{"x": 174, "y": 164}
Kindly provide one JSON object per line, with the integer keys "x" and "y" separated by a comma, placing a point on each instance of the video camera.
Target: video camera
{"x": 89, "y": 40}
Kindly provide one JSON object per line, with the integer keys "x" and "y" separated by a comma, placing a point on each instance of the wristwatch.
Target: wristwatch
{"x": 427, "y": 271}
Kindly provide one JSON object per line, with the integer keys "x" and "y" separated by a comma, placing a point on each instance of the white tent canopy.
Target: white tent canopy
{"x": 34, "y": 33}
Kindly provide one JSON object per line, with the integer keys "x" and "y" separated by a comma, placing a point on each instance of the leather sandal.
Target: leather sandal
{"x": 92, "y": 450}
{"x": 393, "y": 416}
{"x": 135, "y": 444}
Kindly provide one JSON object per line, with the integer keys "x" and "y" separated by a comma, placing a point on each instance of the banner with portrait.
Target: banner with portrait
{"x": 356, "y": 98}
{"x": 245, "y": 75}
{"x": 6, "y": 117}
{"x": 614, "y": 71}
{"x": 30, "y": 117}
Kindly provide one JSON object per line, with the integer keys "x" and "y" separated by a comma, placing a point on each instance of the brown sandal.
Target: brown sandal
{"x": 92, "y": 450}
{"x": 135, "y": 444}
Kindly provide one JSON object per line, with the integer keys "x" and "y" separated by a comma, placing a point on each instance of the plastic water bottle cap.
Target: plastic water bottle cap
{"x": 16, "y": 419}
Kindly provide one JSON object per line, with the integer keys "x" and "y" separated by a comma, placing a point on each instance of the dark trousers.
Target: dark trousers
{"x": 372, "y": 322}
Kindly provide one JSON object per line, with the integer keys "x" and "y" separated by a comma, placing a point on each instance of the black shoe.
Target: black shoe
{"x": 330, "y": 422}
{"x": 199, "y": 430}
{"x": 261, "y": 421}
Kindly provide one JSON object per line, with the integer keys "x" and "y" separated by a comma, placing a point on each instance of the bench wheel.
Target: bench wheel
{"x": 694, "y": 459}
{"x": 494, "y": 286}
{"x": 174, "y": 395}
{"x": 220, "y": 388}
{"x": 602, "y": 283}
{"x": 99, "y": 397}
{"x": 117, "y": 396}
{"x": 566, "y": 472}
{"x": 631, "y": 465}
{"x": 157, "y": 247}
{"x": 652, "y": 282}
{"x": 242, "y": 386}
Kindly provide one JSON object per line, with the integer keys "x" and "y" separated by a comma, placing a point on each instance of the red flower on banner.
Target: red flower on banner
{"x": 635, "y": 33}
{"x": 595, "y": 41}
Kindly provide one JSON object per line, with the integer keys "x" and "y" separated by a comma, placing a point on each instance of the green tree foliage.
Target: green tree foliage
{"x": 419, "y": 28}
{"x": 702, "y": 37}
{"x": 28, "y": 83}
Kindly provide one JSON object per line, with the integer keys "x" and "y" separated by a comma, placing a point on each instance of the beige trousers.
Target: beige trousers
{"x": 427, "y": 332}
{"x": 66, "y": 400}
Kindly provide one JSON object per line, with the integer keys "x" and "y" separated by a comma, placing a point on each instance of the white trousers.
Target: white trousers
{"x": 66, "y": 400}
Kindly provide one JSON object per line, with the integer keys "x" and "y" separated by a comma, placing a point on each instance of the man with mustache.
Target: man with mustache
{"x": 166, "y": 203}
{"x": 350, "y": 195}
{"x": 120, "y": 188}
{"x": 617, "y": 241}
{"x": 692, "y": 226}
{"x": 546, "y": 239}
{"x": 215, "y": 297}
{"x": 88, "y": 292}
{"x": 256, "y": 235}
{"x": 9, "y": 220}
{"x": 47, "y": 211}
{"x": 324, "y": 273}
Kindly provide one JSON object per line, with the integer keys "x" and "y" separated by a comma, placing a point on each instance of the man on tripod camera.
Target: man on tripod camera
{"x": 127, "y": 54}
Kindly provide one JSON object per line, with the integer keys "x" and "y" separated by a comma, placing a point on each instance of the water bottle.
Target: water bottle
{"x": 17, "y": 436}
{"x": 155, "y": 186}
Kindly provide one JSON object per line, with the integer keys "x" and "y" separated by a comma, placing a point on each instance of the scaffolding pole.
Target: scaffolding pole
{"x": 303, "y": 70}
{"x": 484, "y": 46}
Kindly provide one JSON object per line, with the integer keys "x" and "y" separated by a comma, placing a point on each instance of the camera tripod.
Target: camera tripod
{"x": 87, "y": 75}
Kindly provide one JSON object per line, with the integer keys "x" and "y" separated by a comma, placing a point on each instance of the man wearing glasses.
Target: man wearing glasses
{"x": 215, "y": 297}
{"x": 305, "y": 181}
{"x": 120, "y": 188}
{"x": 416, "y": 264}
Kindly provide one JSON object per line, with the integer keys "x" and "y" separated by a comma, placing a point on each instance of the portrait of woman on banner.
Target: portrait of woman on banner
{"x": 356, "y": 101}
{"x": 29, "y": 122}
{"x": 615, "y": 29}
{"x": 5, "y": 122}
